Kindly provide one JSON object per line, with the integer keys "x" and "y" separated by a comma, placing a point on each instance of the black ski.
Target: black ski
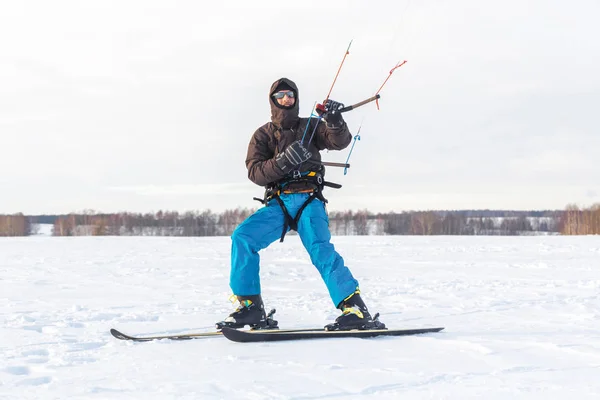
{"x": 276, "y": 336}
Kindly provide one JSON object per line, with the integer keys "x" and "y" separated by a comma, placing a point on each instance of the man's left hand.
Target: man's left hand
{"x": 332, "y": 114}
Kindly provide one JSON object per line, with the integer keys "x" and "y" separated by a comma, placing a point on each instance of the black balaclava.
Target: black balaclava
{"x": 284, "y": 117}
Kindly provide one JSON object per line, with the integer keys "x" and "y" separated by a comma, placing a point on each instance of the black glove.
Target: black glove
{"x": 332, "y": 115}
{"x": 295, "y": 154}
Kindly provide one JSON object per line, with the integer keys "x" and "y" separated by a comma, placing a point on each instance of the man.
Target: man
{"x": 290, "y": 169}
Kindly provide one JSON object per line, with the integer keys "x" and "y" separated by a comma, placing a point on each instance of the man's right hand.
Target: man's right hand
{"x": 294, "y": 155}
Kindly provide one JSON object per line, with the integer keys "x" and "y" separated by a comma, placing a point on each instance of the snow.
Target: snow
{"x": 522, "y": 319}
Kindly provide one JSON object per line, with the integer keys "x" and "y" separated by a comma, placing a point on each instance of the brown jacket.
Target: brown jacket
{"x": 286, "y": 127}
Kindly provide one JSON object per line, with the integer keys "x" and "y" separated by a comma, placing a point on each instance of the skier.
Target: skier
{"x": 292, "y": 174}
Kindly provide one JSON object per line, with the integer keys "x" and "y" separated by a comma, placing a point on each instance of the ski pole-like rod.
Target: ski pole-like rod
{"x": 319, "y": 107}
{"x": 338, "y": 72}
{"x": 356, "y": 137}
{"x": 307, "y": 125}
{"x": 362, "y": 103}
{"x": 335, "y": 164}
{"x": 388, "y": 77}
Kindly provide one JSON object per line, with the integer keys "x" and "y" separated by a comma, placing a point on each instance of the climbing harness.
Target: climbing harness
{"x": 310, "y": 182}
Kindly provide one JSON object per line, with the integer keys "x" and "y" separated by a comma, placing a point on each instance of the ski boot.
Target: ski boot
{"x": 355, "y": 315}
{"x": 251, "y": 312}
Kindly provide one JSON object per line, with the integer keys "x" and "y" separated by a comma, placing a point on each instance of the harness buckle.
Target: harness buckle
{"x": 297, "y": 174}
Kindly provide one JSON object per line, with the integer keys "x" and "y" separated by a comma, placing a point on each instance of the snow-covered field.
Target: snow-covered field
{"x": 522, "y": 318}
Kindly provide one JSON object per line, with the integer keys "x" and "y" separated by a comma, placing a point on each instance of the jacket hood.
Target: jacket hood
{"x": 284, "y": 118}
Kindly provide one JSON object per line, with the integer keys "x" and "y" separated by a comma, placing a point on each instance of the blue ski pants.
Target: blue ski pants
{"x": 266, "y": 226}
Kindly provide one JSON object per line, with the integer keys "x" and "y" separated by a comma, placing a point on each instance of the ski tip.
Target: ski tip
{"x": 119, "y": 335}
{"x": 233, "y": 334}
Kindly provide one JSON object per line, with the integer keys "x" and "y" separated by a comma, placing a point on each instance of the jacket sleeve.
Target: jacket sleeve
{"x": 337, "y": 138}
{"x": 260, "y": 161}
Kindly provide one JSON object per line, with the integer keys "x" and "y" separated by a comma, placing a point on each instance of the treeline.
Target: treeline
{"x": 15, "y": 225}
{"x": 581, "y": 222}
{"x": 162, "y": 223}
{"x": 571, "y": 221}
{"x": 465, "y": 222}
{"x": 207, "y": 223}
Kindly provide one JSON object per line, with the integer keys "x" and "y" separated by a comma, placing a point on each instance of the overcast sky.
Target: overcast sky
{"x": 147, "y": 105}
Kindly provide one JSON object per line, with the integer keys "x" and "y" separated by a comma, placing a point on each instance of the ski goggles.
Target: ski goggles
{"x": 283, "y": 93}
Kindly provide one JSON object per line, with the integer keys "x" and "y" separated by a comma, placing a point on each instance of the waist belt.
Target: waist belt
{"x": 312, "y": 178}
